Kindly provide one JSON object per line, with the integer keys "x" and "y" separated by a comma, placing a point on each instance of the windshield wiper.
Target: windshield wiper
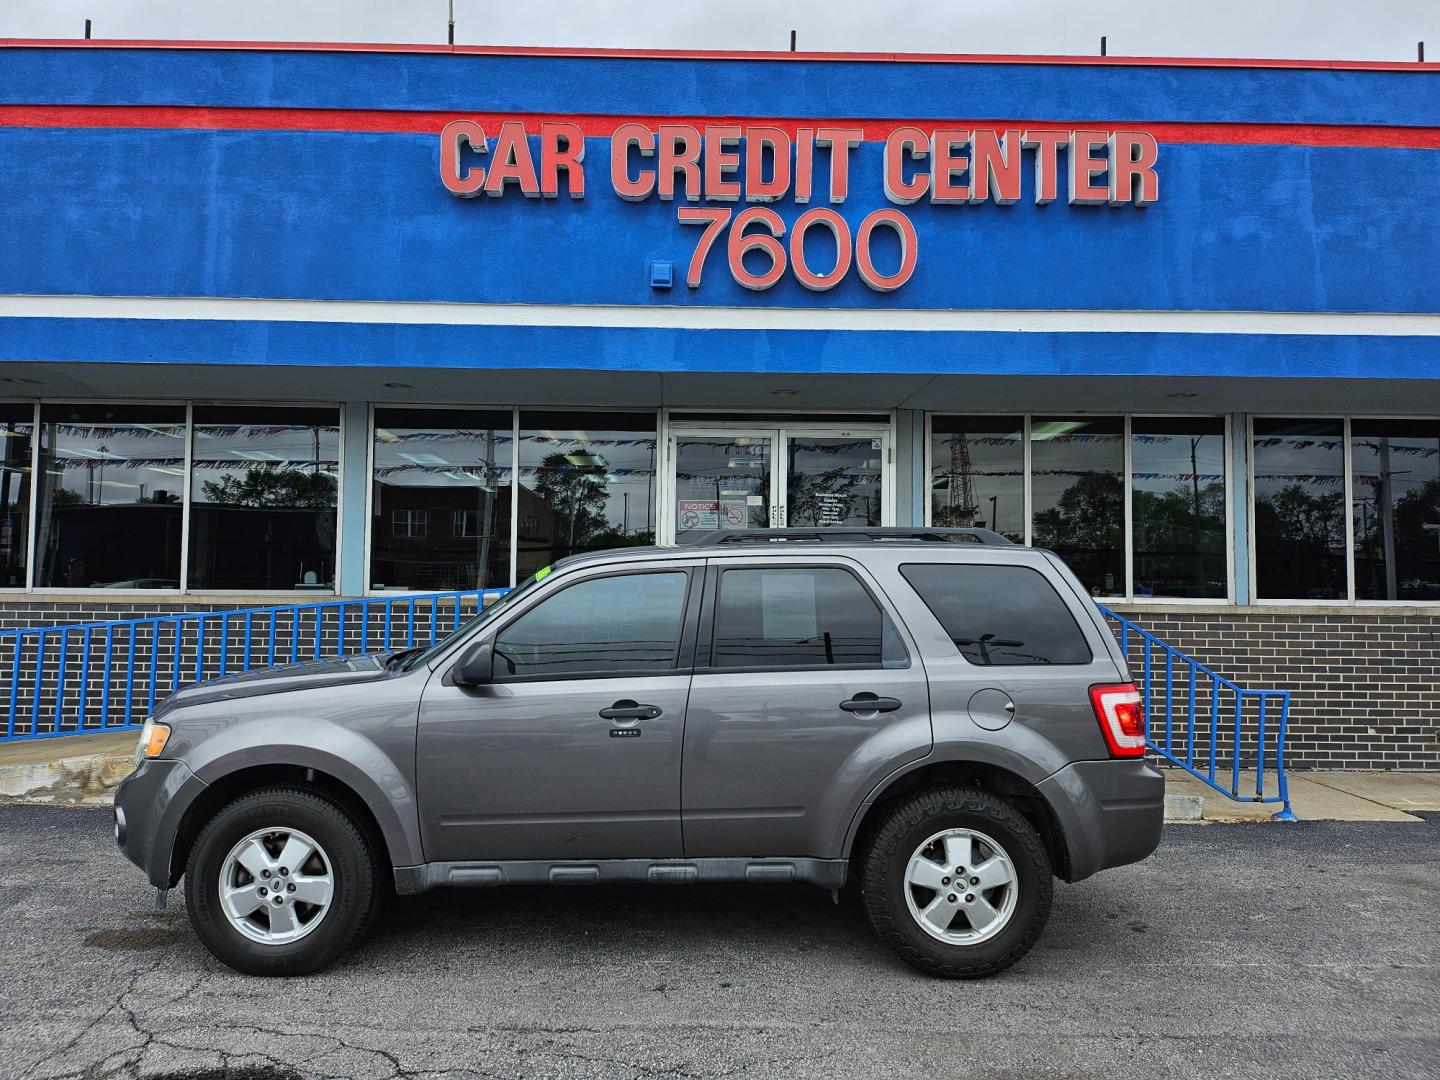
{"x": 396, "y": 661}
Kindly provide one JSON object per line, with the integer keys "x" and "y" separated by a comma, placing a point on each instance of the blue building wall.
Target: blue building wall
{"x": 1298, "y": 223}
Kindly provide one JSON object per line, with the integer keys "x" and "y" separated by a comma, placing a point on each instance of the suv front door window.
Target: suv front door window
{"x": 574, "y": 749}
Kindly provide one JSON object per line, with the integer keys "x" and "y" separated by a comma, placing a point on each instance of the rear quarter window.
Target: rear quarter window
{"x": 1008, "y": 616}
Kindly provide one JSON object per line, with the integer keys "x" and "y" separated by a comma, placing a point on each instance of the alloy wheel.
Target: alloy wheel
{"x": 276, "y": 886}
{"x": 961, "y": 887}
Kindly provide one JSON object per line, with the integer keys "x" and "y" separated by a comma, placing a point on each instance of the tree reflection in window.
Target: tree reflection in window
{"x": 587, "y": 482}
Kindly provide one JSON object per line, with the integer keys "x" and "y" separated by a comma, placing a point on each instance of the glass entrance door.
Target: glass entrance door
{"x": 756, "y": 478}
{"x": 834, "y": 479}
{"x": 722, "y": 480}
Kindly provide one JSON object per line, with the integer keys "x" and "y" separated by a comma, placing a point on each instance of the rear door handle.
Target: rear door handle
{"x": 629, "y": 710}
{"x": 868, "y": 702}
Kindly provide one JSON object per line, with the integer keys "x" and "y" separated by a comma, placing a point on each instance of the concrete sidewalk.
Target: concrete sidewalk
{"x": 1324, "y": 795}
{"x": 83, "y": 770}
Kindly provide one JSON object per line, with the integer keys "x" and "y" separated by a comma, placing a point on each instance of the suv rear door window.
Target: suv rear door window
{"x": 801, "y": 617}
{"x": 999, "y": 615}
{"x": 603, "y": 626}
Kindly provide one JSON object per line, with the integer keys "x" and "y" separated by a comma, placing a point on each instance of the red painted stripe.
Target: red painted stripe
{"x": 602, "y": 126}
{"x": 719, "y": 54}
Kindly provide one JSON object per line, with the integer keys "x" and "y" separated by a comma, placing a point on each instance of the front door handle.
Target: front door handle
{"x": 868, "y": 702}
{"x": 629, "y": 710}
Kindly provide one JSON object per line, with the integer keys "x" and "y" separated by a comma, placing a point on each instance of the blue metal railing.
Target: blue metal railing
{"x": 1212, "y": 727}
{"x": 108, "y": 676}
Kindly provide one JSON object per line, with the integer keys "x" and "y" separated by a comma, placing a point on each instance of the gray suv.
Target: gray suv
{"x": 947, "y": 725}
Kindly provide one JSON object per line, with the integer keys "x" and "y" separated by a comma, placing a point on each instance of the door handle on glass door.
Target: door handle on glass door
{"x": 868, "y": 702}
{"x": 629, "y": 710}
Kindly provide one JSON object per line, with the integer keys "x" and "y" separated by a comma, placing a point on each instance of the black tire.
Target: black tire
{"x": 352, "y": 865}
{"x": 884, "y": 887}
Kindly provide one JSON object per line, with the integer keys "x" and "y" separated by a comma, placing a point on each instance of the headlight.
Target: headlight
{"x": 153, "y": 738}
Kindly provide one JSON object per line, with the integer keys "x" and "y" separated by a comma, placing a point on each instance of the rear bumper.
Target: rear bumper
{"x": 1110, "y": 812}
{"x": 149, "y": 806}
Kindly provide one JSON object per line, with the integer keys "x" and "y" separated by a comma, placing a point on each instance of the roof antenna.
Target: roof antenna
{"x": 792, "y": 42}
{"x": 452, "y": 22}
{"x": 87, "y": 38}
{"x": 1102, "y": 45}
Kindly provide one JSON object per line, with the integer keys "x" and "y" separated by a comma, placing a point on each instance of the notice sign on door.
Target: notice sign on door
{"x": 698, "y": 515}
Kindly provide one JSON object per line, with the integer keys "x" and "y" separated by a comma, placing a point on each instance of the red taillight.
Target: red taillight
{"x": 1122, "y": 718}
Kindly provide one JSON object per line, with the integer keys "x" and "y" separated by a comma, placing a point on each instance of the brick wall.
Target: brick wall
{"x": 1365, "y": 686}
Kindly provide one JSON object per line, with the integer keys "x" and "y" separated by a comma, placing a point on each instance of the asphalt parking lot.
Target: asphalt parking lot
{"x": 1237, "y": 951}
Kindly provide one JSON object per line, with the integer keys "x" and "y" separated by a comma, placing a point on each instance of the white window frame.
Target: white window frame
{"x": 1128, "y": 597}
{"x": 1350, "y": 600}
{"x": 412, "y": 518}
{"x": 514, "y": 466}
{"x": 32, "y": 535}
{"x": 33, "y": 499}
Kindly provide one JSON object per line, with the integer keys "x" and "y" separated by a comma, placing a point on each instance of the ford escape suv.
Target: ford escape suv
{"x": 948, "y": 724}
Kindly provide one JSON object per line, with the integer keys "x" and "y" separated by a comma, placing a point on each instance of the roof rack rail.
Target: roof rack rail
{"x": 843, "y": 534}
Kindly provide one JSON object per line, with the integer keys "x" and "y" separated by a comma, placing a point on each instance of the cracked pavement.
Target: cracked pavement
{"x": 1236, "y": 951}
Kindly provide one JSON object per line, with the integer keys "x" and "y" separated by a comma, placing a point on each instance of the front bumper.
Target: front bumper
{"x": 1110, "y": 812}
{"x": 149, "y": 807}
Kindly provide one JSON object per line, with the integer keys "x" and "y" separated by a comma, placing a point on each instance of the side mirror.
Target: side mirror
{"x": 476, "y": 665}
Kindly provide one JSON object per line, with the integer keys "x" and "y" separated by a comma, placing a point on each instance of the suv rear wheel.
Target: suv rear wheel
{"x": 957, "y": 882}
{"x": 280, "y": 882}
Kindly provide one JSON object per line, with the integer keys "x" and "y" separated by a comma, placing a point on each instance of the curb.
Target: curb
{"x": 1184, "y": 808}
{"x": 83, "y": 780}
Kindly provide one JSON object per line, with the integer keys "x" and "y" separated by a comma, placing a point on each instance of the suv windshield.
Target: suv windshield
{"x": 484, "y": 615}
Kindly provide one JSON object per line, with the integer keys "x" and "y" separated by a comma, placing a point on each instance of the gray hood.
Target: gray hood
{"x": 309, "y": 676}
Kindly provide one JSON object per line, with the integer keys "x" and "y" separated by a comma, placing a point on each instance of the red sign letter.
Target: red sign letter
{"x": 1132, "y": 168}
{"x": 758, "y": 140}
{"x": 995, "y": 167}
{"x": 626, "y": 136}
{"x": 457, "y": 135}
{"x": 946, "y": 163}
{"x": 562, "y": 146}
{"x": 1046, "y": 145}
{"x": 722, "y": 161}
{"x": 840, "y": 141}
{"x": 512, "y": 164}
{"x": 679, "y": 152}
{"x": 1085, "y": 164}
{"x": 905, "y": 142}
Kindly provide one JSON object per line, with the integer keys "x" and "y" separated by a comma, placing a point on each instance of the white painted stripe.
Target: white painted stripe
{"x": 720, "y": 318}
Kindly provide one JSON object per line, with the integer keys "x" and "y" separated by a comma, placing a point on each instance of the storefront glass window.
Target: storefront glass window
{"x": 1299, "y": 509}
{"x": 264, "y": 488}
{"x": 440, "y": 509}
{"x": 17, "y": 424}
{"x": 1177, "y": 502}
{"x": 110, "y": 496}
{"x": 1396, "y": 508}
{"x": 977, "y": 473}
{"x": 1078, "y": 496}
{"x": 587, "y": 481}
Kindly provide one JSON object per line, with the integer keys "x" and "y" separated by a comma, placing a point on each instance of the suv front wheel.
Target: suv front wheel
{"x": 280, "y": 882}
{"x": 957, "y": 882}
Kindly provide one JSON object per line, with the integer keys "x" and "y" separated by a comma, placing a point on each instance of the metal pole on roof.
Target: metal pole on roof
{"x": 792, "y": 40}
{"x": 452, "y": 22}
{"x": 87, "y": 38}
{"x": 1419, "y": 49}
{"x": 1102, "y": 45}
